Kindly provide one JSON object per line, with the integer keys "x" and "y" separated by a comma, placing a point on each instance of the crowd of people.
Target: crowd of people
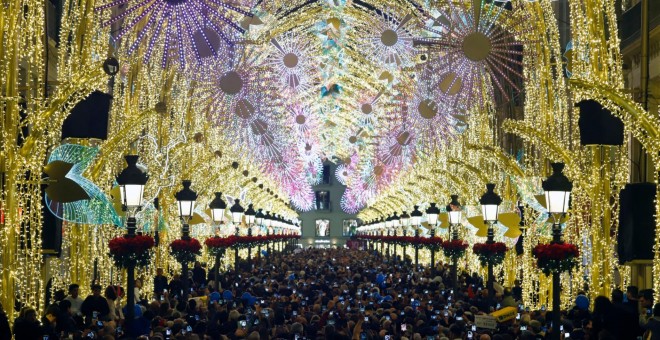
{"x": 329, "y": 294}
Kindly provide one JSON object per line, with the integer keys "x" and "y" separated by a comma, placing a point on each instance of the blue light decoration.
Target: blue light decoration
{"x": 96, "y": 210}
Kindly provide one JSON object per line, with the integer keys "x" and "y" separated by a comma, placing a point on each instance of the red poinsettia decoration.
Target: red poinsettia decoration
{"x": 490, "y": 253}
{"x": 454, "y": 249}
{"x": 556, "y": 257}
{"x": 432, "y": 243}
{"x": 218, "y": 245}
{"x": 134, "y": 250}
{"x": 185, "y": 250}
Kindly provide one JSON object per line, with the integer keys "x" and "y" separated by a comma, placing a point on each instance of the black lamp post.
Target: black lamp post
{"x": 250, "y": 214}
{"x": 268, "y": 220}
{"x": 388, "y": 226}
{"x": 381, "y": 225}
{"x": 490, "y": 203}
{"x": 131, "y": 187}
{"x": 186, "y": 200}
{"x": 396, "y": 223}
{"x": 217, "y": 207}
{"x": 259, "y": 221}
{"x": 557, "y": 197}
{"x": 416, "y": 221}
{"x": 432, "y": 218}
{"x": 454, "y": 210}
{"x": 236, "y": 211}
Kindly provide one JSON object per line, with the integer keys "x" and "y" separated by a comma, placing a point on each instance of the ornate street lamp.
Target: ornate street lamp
{"x": 490, "y": 203}
{"x": 250, "y": 215}
{"x": 388, "y": 225}
{"x": 217, "y": 207}
{"x": 416, "y": 217}
{"x": 186, "y": 201}
{"x": 131, "y": 187}
{"x": 432, "y": 214}
{"x": 268, "y": 220}
{"x": 455, "y": 212}
{"x": 236, "y": 211}
{"x": 405, "y": 219}
{"x": 259, "y": 218}
{"x": 557, "y": 197}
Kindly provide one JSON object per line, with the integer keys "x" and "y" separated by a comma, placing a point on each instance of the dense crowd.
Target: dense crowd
{"x": 329, "y": 294}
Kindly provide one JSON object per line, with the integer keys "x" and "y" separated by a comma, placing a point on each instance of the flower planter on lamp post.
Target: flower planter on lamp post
{"x": 250, "y": 214}
{"x": 217, "y": 207}
{"x": 236, "y": 218}
{"x": 490, "y": 203}
{"x": 557, "y": 197}
{"x": 432, "y": 218}
{"x": 186, "y": 201}
{"x": 454, "y": 210}
{"x": 131, "y": 186}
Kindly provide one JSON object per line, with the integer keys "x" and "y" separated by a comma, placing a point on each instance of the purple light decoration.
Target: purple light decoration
{"x": 239, "y": 97}
{"x": 469, "y": 49}
{"x": 191, "y": 29}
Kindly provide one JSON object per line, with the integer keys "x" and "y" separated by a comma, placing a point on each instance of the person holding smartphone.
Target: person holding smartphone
{"x": 652, "y": 326}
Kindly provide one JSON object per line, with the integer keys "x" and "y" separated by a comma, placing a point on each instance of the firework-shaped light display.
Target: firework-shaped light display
{"x": 389, "y": 41}
{"x": 431, "y": 117}
{"x": 190, "y": 29}
{"x": 476, "y": 49}
{"x": 293, "y": 63}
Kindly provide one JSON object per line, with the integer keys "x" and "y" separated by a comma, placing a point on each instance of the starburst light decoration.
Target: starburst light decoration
{"x": 389, "y": 41}
{"x": 188, "y": 29}
{"x": 476, "y": 49}
{"x": 292, "y": 61}
{"x": 431, "y": 117}
{"x": 239, "y": 94}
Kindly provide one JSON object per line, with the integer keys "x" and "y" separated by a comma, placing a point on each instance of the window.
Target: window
{"x": 322, "y": 200}
{"x": 326, "y": 174}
